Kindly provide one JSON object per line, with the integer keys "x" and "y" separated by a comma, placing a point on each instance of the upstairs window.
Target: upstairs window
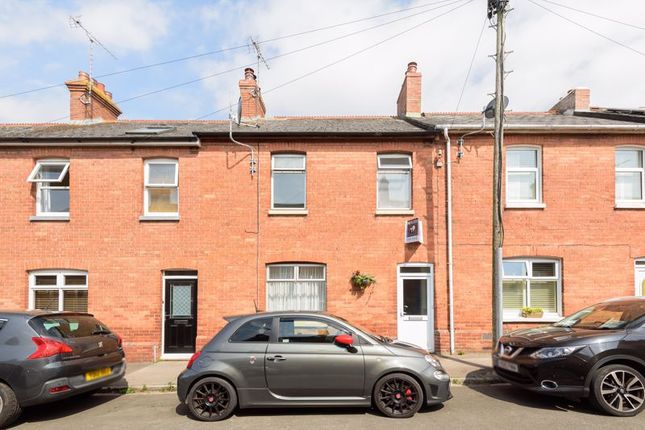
{"x": 161, "y": 195}
{"x": 288, "y": 181}
{"x": 630, "y": 176}
{"x": 52, "y": 187}
{"x": 523, "y": 176}
{"x": 394, "y": 182}
{"x": 58, "y": 290}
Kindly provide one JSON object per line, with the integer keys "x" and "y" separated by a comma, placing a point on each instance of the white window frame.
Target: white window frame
{"x": 48, "y": 184}
{"x": 147, "y": 186}
{"x": 639, "y": 267}
{"x": 302, "y": 169}
{"x": 526, "y": 203}
{"x": 407, "y": 168}
{"x": 516, "y": 315}
{"x": 296, "y": 276}
{"x": 631, "y": 203}
{"x": 60, "y": 284}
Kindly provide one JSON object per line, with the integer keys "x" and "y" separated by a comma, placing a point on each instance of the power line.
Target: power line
{"x": 347, "y": 57}
{"x": 315, "y": 45}
{"x": 232, "y": 48}
{"x": 595, "y": 15}
{"x": 589, "y": 29}
{"x": 470, "y": 68}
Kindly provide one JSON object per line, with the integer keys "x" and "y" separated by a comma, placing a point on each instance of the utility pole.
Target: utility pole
{"x": 497, "y": 8}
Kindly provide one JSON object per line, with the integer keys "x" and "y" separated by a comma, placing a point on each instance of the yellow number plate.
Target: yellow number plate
{"x": 98, "y": 374}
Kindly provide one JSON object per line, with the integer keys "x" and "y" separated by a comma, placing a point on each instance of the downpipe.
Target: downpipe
{"x": 451, "y": 314}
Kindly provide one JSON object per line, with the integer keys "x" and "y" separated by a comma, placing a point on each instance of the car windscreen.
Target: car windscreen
{"x": 68, "y": 326}
{"x": 605, "y": 316}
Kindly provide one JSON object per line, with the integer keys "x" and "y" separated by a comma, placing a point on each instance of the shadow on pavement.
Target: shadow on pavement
{"x": 182, "y": 410}
{"x": 63, "y": 408}
{"x": 508, "y": 393}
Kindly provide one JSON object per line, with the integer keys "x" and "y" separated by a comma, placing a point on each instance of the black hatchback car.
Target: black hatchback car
{"x": 48, "y": 356}
{"x": 598, "y": 352}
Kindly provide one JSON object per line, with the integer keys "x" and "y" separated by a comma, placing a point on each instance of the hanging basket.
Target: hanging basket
{"x": 361, "y": 281}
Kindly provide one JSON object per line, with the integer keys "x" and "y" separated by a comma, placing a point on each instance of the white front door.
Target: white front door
{"x": 415, "y": 304}
{"x": 639, "y": 276}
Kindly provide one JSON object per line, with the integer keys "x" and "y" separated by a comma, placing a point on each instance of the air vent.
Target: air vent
{"x": 151, "y": 130}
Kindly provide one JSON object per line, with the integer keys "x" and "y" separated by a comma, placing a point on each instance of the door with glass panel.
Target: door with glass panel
{"x": 640, "y": 277}
{"x": 415, "y": 293}
{"x": 180, "y": 325}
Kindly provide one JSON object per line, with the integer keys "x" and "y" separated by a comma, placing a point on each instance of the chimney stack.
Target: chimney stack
{"x": 577, "y": 99}
{"x": 409, "y": 101}
{"x": 251, "y": 97}
{"x": 100, "y": 107}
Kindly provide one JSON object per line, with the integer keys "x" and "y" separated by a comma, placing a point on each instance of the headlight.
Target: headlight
{"x": 433, "y": 361}
{"x": 555, "y": 352}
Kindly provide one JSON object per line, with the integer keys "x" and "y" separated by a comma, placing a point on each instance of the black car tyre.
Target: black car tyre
{"x": 619, "y": 390}
{"x": 398, "y": 395}
{"x": 211, "y": 399}
{"x": 9, "y": 407}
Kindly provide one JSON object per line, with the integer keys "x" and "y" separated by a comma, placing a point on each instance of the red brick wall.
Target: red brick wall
{"x": 125, "y": 257}
{"x": 596, "y": 243}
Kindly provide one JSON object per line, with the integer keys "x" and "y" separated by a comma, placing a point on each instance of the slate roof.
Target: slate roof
{"x": 353, "y": 126}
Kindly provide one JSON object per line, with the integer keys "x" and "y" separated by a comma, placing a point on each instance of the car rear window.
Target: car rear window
{"x": 257, "y": 330}
{"x": 68, "y": 326}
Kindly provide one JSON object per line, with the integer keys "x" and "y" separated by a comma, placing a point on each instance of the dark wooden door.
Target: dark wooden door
{"x": 180, "y": 316}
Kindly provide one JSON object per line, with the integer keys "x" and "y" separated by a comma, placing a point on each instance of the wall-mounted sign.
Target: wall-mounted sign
{"x": 414, "y": 231}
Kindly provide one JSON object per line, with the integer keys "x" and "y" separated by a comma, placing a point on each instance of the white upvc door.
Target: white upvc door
{"x": 415, "y": 304}
{"x": 639, "y": 277}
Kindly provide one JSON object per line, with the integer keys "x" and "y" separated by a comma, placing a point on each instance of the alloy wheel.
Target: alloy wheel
{"x": 210, "y": 400}
{"x": 623, "y": 391}
{"x": 398, "y": 397}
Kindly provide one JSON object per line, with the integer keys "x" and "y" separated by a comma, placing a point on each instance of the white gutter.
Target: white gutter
{"x": 451, "y": 313}
{"x": 560, "y": 128}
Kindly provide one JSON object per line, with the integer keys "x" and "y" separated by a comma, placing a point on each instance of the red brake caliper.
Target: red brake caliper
{"x": 408, "y": 394}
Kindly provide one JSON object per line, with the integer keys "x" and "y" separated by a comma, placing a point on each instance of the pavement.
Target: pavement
{"x": 496, "y": 406}
{"x": 466, "y": 369}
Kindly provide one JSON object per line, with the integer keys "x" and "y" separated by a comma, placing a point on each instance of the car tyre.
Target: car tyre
{"x": 398, "y": 395}
{"x": 211, "y": 399}
{"x": 619, "y": 390}
{"x": 9, "y": 407}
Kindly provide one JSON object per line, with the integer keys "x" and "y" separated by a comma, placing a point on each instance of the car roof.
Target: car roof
{"x": 36, "y": 313}
{"x": 626, "y": 299}
{"x": 280, "y": 313}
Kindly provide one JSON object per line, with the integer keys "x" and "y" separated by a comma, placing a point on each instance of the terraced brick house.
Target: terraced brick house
{"x": 162, "y": 228}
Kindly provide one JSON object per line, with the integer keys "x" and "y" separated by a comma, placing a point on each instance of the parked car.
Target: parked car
{"x": 300, "y": 359}
{"x": 598, "y": 352}
{"x": 48, "y": 356}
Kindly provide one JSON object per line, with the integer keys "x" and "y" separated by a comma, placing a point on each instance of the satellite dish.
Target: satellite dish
{"x": 489, "y": 110}
{"x": 238, "y": 119}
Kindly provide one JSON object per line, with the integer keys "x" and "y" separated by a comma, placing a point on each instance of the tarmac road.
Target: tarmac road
{"x": 480, "y": 407}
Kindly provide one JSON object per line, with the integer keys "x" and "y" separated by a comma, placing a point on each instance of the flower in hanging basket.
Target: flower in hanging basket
{"x": 361, "y": 281}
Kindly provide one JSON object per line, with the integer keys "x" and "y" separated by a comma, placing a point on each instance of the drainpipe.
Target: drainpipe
{"x": 451, "y": 314}
{"x": 252, "y": 169}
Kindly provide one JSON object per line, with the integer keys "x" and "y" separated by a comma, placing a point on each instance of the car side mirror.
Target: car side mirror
{"x": 345, "y": 340}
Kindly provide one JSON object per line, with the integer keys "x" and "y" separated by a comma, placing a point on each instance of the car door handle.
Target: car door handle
{"x": 276, "y": 358}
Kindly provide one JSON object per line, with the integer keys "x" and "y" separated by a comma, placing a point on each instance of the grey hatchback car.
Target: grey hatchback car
{"x": 305, "y": 359}
{"x": 47, "y": 356}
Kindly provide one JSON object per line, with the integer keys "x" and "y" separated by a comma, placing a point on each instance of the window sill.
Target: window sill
{"x": 544, "y": 319}
{"x": 289, "y": 212}
{"x": 55, "y": 218}
{"x": 630, "y": 205}
{"x": 170, "y": 218}
{"x": 511, "y": 205}
{"x": 380, "y": 212}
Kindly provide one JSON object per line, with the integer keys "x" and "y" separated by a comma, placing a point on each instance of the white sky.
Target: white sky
{"x": 550, "y": 55}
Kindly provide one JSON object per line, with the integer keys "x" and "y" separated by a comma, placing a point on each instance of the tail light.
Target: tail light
{"x": 119, "y": 341}
{"x": 192, "y": 359}
{"x": 48, "y": 348}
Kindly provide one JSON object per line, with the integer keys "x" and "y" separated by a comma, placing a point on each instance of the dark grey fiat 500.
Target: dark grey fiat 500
{"x": 284, "y": 359}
